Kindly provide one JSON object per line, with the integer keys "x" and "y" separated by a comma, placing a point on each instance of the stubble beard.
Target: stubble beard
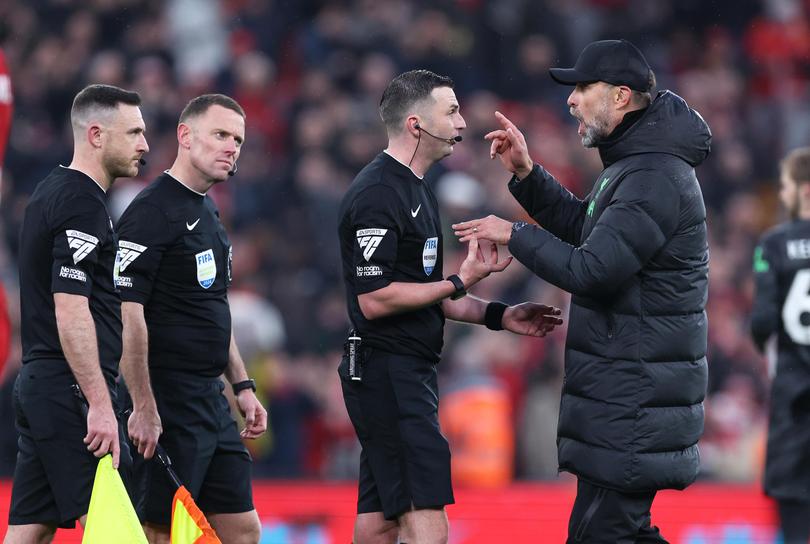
{"x": 599, "y": 129}
{"x": 120, "y": 167}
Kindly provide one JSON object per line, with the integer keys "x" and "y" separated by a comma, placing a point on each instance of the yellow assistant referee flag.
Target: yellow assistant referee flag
{"x": 189, "y": 525}
{"x": 111, "y": 517}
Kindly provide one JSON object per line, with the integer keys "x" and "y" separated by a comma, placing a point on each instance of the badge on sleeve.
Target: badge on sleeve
{"x": 369, "y": 239}
{"x": 429, "y": 254}
{"x": 206, "y": 268}
{"x": 82, "y": 242}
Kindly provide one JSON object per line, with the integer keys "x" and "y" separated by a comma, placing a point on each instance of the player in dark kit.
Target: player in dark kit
{"x": 71, "y": 319}
{"x": 781, "y": 306}
{"x": 398, "y": 299}
{"x": 175, "y": 269}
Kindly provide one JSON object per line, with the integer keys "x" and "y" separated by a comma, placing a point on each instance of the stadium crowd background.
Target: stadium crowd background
{"x": 309, "y": 75}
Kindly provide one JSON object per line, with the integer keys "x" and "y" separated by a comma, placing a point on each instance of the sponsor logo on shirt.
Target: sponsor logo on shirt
{"x": 369, "y": 239}
{"x": 128, "y": 252}
{"x": 368, "y": 271}
{"x": 73, "y": 274}
{"x": 82, "y": 243}
{"x": 429, "y": 254}
{"x": 206, "y": 268}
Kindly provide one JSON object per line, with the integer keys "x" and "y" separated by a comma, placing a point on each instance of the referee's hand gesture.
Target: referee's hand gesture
{"x": 477, "y": 266}
{"x": 102, "y": 432}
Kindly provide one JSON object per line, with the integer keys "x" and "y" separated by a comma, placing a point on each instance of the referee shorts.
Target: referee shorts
{"x": 405, "y": 459}
{"x": 54, "y": 473}
{"x": 202, "y": 440}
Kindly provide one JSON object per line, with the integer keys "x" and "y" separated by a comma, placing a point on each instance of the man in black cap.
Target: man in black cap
{"x": 634, "y": 255}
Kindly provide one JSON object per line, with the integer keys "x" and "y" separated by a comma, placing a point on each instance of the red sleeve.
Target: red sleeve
{"x": 6, "y": 106}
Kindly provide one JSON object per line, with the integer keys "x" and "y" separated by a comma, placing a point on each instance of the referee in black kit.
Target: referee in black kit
{"x": 398, "y": 298}
{"x": 71, "y": 320}
{"x": 175, "y": 269}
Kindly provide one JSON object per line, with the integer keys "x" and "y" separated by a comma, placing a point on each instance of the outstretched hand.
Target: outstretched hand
{"x": 490, "y": 227}
{"x": 476, "y": 266}
{"x": 509, "y": 145}
{"x": 531, "y": 319}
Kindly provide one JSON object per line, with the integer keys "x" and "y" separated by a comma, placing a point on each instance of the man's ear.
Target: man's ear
{"x": 184, "y": 135}
{"x": 94, "y": 135}
{"x": 412, "y": 125}
{"x": 622, "y": 96}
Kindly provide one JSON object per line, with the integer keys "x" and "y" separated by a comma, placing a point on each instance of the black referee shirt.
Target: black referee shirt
{"x": 68, "y": 245}
{"x": 175, "y": 259}
{"x": 390, "y": 231}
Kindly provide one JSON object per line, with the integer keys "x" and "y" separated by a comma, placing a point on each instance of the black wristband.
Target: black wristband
{"x": 241, "y": 386}
{"x": 493, "y": 316}
{"x": 459, "y": 285}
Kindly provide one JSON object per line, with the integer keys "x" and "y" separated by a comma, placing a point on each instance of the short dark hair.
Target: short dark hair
{"x": 102, "y": 96}
{"x": 404, "y": 91}
{"x": 797, "y": 165}
{"x": 198, "y": 106}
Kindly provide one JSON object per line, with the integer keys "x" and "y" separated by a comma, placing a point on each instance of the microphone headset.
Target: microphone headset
{"x": 450, "y": 141}
{"x": 233, "y": 170}
{"x": 142, "y": 161}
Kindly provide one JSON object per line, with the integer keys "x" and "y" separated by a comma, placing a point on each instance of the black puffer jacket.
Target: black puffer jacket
{"x": 634, "y": 256}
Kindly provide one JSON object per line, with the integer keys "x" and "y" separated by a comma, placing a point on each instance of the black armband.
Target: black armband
{"x": 493, "y": 316}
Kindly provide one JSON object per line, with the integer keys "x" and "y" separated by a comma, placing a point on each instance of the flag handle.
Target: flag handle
{"x": 160, "y": 452}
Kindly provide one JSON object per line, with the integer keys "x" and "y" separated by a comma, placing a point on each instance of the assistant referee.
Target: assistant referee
{"x": 71, "y": 320}
{"x": 398, "y": 299}
{"x": 175, "y": 270}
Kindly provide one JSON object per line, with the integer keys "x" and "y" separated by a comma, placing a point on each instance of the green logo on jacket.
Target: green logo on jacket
{"x": 592, "y": 205}
{"x": 760, "y": 264}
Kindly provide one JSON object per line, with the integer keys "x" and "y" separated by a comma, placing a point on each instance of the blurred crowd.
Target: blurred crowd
{"x": 310, "y": 74}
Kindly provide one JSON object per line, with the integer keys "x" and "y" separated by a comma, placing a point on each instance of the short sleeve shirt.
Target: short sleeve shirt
{"x": 175, "y": 259}
{"x": 390, "y": 231}
{"x": 68, "y": 245}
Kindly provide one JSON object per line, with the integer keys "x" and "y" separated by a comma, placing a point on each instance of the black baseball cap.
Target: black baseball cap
{"x": 617, "y": 62}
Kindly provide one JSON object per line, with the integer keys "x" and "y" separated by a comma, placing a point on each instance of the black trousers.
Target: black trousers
{"x": 602, "y": 515}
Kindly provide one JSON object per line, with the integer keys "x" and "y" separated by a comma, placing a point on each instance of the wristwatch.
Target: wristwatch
{"x": 241, "y": 386}
{"x": 459, "y": 285}
{"x": 517, "y": 225}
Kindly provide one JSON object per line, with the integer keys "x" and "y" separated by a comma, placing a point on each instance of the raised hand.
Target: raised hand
{"x": 509, "y": 145}
{"x": 531, "y": 319}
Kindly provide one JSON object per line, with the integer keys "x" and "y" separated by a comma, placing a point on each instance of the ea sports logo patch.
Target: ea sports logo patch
{"x": 369, "y": 240}
{"x": 128, "y": 252}
{"x": 83, "y": 244}
{"x": 429, "y": 254}
{"x": 206, "y": 268}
